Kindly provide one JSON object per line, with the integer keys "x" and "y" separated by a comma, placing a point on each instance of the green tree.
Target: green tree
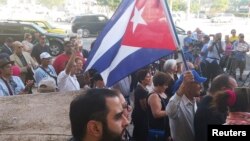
{"x": 195, "y": 6}
{"x": 112, "y": 4}
{"x": 103, "y": 2}
{"x": 245, "y": 1}
{"x": 3, "y": 2}
{"x": 219, "y": 6}
{"x": 179, "y": 5}
{"x": 51, "y": 3}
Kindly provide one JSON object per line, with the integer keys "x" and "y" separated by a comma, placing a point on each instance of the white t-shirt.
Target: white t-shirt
{"x": 67, "y": 82}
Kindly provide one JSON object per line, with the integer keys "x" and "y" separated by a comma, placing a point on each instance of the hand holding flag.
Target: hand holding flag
{"x": 139, "y": 33}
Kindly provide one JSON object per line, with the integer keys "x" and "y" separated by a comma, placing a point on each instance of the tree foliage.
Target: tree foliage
{"x": 112, "y": 4}
{"x": 103, "y": 2}
{"x": 51, "y": 3}
{"x": 179, "y": 5}
{"x": 3, "y": 1}
{"x": 195, "y": 6}
{"x": 219, "y": 6}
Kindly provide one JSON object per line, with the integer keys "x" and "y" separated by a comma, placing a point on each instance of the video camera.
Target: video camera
{"x": 196, "y": 47}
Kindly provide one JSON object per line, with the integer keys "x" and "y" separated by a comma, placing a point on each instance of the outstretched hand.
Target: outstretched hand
{"x": 29, "y": 83}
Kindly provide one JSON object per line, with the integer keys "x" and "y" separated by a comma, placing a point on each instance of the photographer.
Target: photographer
{"x": 215, "y": 49}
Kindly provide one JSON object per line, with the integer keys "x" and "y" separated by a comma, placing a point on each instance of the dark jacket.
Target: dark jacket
{"x": 204, "y": 116}
{"x": 5, "y": 49}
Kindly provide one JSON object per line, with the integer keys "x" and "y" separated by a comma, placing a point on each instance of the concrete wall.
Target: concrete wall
{"x": 36, "y": 117}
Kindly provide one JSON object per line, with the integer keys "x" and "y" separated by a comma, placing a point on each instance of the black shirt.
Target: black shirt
{"x": 204, "y": 116}
{"x": 37, "y": 50}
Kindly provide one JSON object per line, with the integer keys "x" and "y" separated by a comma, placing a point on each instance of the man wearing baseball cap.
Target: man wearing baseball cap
{"x": 182, "y": 106}
{"x": 45, "y": 69}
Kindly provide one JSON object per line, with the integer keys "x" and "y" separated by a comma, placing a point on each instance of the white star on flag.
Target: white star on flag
{"x": 137, "y": 18}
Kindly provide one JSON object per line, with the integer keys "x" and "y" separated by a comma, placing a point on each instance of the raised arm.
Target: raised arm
{"x": 173, "y": 106}
{"x": 71, "y": 62}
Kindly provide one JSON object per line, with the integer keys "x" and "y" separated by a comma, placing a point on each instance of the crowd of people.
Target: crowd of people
{"x": 166, "y": 100}
{"x": 34, "y": 65}
{"x": 211, "y": 51}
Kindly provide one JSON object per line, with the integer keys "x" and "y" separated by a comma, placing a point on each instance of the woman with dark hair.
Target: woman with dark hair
{"x": 157, "y": 102}
{"x": 140, "y": 102}
{"x": 236, "y": 103}
{"x": 207, "y": 115}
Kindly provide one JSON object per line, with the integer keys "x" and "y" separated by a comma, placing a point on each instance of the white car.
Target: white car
{"x": 223, "y": 17}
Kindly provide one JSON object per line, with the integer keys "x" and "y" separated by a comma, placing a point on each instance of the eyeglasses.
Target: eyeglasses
{"x": 241, "y": 36}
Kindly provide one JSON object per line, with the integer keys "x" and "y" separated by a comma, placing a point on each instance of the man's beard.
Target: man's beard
{"x": 109, "y": 135}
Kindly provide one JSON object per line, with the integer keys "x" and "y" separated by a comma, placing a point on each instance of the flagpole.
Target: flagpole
{"x": 169, "y": 17}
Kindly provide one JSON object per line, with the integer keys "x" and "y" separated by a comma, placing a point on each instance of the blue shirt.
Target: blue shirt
{"x": 16, "y": 85}
{"x": 187, "y": 41}
{"x": 40, "y": 73}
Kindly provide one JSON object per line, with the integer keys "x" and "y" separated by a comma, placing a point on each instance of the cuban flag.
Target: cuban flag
{"x": 139, "y": 33}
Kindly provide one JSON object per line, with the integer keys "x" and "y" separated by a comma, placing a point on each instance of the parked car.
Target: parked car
{"x": 223, "y": 17}
{"x": 45, "y": 25}
{"x": 89, "y": 24}
{"x": 201, "y": 16}
{"x": 16, "y": 30}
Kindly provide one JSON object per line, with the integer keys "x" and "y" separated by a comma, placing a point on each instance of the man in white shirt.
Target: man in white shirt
{"x": 182, "y": 106}
{"x": 67, "y": 80}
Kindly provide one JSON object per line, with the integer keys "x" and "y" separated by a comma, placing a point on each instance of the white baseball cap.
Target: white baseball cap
{"x": 47, "y": 84}
{"x": 45, "y": 55}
